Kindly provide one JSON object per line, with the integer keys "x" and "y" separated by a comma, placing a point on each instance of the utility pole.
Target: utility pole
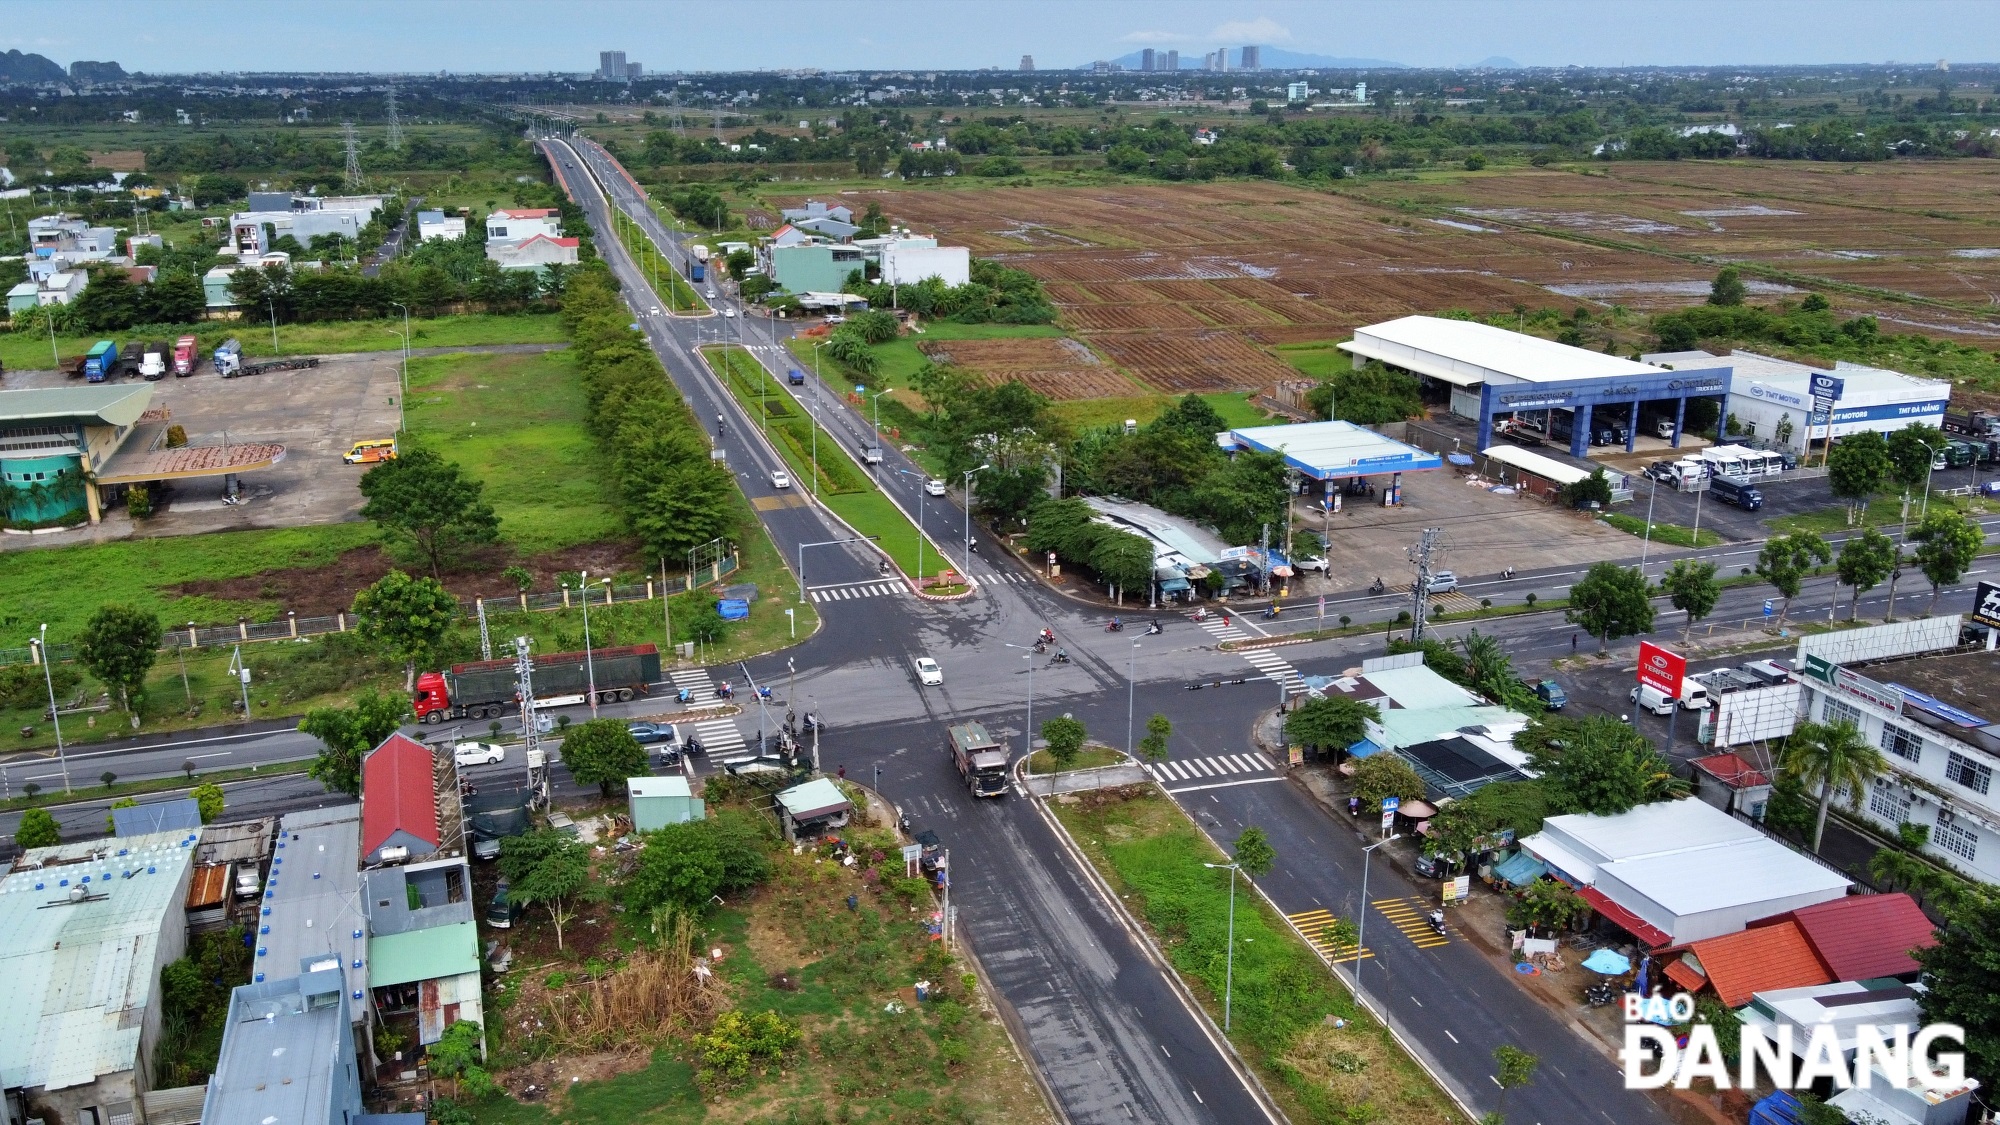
{"x": 531, "y": 732}
{"x": 1426, "y": 554}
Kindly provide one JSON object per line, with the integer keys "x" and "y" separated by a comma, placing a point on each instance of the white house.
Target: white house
{"x": 533, "y": 253}
{"x": 521, "y": 224}
{"x": 437, "y": 224}
{"x": 904, "y": 264}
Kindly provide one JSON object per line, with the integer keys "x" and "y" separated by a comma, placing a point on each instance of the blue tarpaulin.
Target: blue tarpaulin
{"x": 1520, "y": 869}
{"x": 1609, "y": 962}
{"x": 1363, "y": 749}
{"x": 733, "y": 609}
{"x": 1459, "y": 458}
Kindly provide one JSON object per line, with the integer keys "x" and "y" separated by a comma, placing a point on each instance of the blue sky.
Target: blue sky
{"x": 520, "y": 35}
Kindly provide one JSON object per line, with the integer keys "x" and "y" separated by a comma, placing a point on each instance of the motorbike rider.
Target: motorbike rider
{"x": 1116, "y": 624}
{"x": 1062, "y": 656}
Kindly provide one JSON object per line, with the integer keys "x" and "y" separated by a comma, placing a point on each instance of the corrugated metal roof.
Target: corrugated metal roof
{"x": 1418, "y": 688}
{"x": 76, "y": 975}
{"x": 209, "y": 887}
{"x": 283, "y": 1060}
{"x": 1401, "y": 727}
{"x": 1333, "y": 449}
{"x": 441, "y": 951}
{"x": 1528, "y": 461}
{"x": 179, "y": 815}
{"x": 815, "y": 798}
{"x": 1862, "y": 937}
{"x": 313, "y": 897}
{"x": 1467, "y": 352}
{"x": 118, "y": 404}
{"x": 658, "y": 787}
{"x": 397, "y": 793}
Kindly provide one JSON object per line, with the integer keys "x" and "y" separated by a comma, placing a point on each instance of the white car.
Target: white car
{"x": 478, "y": 753}
{"x": 1443, "y": 582}
{"x": 781, "y": 479}
{"x": 656, "y": 310}
{"x": 934, "y": 487}
{"x": 1310, "y": 562}
{"x": 711, "y": 294}
{"x": 928, "y": 672}
{"x": 728, "y": 312}
{"x": 835, "y": 318}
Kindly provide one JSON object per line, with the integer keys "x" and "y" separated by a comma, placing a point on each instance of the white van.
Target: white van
{"x": 1652, "y": 699}
{"x": 1694, "y": 695}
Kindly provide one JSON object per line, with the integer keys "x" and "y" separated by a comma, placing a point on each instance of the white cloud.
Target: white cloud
{"x": 1263, "y": 29}
{"x": 1151, "y": 37}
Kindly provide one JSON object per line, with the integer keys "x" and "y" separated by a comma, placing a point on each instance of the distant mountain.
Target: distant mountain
{"x": 1495, "y": 62}
{"x": 1272, "y": 58}
{"x": 17, "y": 67}
{"x": 96, "y": 72}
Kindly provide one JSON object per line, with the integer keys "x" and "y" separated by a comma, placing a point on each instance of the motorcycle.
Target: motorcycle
{"x": 882, "y": 568}
{"x": 1154, "y": 629}
{"x": 1047, "y": 637}
{"x": 1600, "y": 995}
{"x": 724, "y": 691}
{"x": 1116, "y": 626}
{"x": 1378, "y": 588}
{"x": 1271, "y": 611}
{"x": 1041, "y": 647}
{"x": 1201, "y": 614}
{"x": 684, "y": 695}
{"x": 764, "y": 693}
{"x": 1060, "y": 657}
{"x": 1436, "y": 920}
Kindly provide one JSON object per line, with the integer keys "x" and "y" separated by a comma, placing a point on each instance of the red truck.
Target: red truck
{"x": 486, "y": 689}
{"x": 187, "y": 353}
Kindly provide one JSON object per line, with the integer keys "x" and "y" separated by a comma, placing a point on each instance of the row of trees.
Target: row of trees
{"x": 994, "y": 293}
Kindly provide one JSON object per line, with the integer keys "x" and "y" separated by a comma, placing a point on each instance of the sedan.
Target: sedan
{"x": 934, "y": 487}
{"x": 650, "y": 732}
{"x": 1443, "y": 582}
{"x": 781, "y": 479}
{"x": 478, "y": 753}
{"x": 1310, "y": 562}
{"x": 728, "y": 312}
{"x": 928, "y": 672}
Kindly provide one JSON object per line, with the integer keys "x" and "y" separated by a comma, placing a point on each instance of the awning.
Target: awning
{"x": 1363, "y": 749}
{"x": 1649, "y": 935}
{"x": 1459, "y": 458}
{"x": 1417, "y": 810}
{"x": 1520, "y": 869}
{"x": 1173, "y": 585}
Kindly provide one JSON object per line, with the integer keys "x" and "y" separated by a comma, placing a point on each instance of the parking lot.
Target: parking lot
{"x": 316, "y": 414}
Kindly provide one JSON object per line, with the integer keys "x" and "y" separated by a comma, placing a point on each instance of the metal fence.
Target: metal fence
{"x": 292, "y": 626}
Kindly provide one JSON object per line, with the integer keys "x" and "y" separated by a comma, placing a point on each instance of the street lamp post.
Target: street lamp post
{"x": 272, "y": 302}
{"x": 1646, "y": 544}
{"x": 1361, "y": 929}
{"x": 1131, "y": 686}
{"x": 877, "y": 396}
{"x": 404, "y": 379}
{"x": 815, "y": 415}
{"x": 920, "y": 524}
{"x": 1229, "y": 959}
{"x": 589, "y": 665}
{"x": 48, "y": 677}
{"x": 968, "y": 515}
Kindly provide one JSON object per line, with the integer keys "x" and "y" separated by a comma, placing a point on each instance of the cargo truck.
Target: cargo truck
{"x": 228, "y": 356}
{"x": 981, "y": 760}
{"x": 187, "y": 354}
{"x": 101, "y": 361}
{"x": 153, "y": 361}
{"x": 1972, "y": 423}
{"x": 1736, "y": 490}
{"x": 130, "y": 359}
{"x": 485, "y": 689}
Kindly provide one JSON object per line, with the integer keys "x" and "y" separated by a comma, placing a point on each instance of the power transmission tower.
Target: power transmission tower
{"x": 395, "y": 139}
{"x": 1428, "y": 553}
{"x": 679, "y": 124}
{"x": 353, "y": 154}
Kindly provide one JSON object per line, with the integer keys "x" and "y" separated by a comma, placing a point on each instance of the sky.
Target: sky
{"x": 528, "y": 35}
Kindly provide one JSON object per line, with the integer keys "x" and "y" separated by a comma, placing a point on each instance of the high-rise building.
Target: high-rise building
{"x": 1146, "y": 59}
{"x": 1173, "y": 60}
{"x": 1027, "y": 62}
{"x": 1251, "y": 59}
{"x": 634, "y": 71}
{"x": 1222, "y": 58}
{"x": 1101, "y": 66}
{"x": 611, "y": 65}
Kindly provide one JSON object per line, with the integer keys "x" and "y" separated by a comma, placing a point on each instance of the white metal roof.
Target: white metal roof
{"x": 1736, "y": 874}
{"x": 76, "y": 976}
{"x": 1528, "y": 461}
{"x": 675, "y": 786}
{"x": 1330, "y": 449}
{"x": 1466, "y": 353}
{"x": 1660, "y": 828}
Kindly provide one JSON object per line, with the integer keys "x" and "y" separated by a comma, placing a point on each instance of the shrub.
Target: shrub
{"x": 737, "y": 1043}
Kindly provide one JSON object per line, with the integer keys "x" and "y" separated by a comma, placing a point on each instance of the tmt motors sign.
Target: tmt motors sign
{"x": 1661, "y": 669}
{"x": 1986, "y": 609}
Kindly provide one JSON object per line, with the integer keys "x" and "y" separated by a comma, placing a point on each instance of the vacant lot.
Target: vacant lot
{"x": 1060, "y": 368}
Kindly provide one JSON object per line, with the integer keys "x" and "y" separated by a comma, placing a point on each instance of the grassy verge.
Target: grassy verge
{"x": 516, "y": 422}
{"x": 1091, "y": 757}
{"x": 865, "y": 508}
{"x": 26, "y": 351}
{"x": 1885, "y": 512}
{"x": 656, "y": 267}
{"x": 89, "y": 789}
{"x": 1669, "y": 533}
{"x": 1152, "y": 856}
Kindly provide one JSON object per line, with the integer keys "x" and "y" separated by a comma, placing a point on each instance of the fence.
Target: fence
{"x": 292, "y": 626}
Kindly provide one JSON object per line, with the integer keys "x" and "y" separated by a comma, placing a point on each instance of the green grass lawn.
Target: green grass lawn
{"x": 1152, "y": 856}
{"x": 1235, "y": 408}
{"x": 1320, "y": 359}
{"x": 1884, "y": 512}
{"x": 516, "y": 422}
{"x": 27, "y": 351}
{"x": 898, "y": 360}
{"x": 1668, "y": 533}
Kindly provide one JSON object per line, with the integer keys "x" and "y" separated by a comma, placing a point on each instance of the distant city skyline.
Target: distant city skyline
{"x": 515, "y": 36}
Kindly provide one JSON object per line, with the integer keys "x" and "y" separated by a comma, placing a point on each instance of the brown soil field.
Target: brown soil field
{"x": 1060, "y": 369}
{"x": 1180, "y": 284}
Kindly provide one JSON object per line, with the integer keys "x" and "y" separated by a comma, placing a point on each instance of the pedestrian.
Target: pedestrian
{"x": 1354, "y": 806}
{"x": 843, "y": 773}
{"x": 1572, "y": 642}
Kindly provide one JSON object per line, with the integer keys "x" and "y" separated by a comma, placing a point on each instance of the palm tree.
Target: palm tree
{"x": 1831, "y": 755}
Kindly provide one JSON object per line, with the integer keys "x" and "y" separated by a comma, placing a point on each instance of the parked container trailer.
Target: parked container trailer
{"x": 101, "y": 361}
{"x": 485, "y": 689}
{"x": 187, "y": 354}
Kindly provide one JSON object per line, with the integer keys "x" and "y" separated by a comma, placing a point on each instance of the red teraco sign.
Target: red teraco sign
{"x": 1661, "y": 669}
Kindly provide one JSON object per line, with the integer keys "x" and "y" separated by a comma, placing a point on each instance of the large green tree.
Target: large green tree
{"x": 348, "y": 733}
{"x": 1786, "y": 561}
{"x": 1831, "y": 756}
{"x": 602, "y": 752}
{"x": 1331, "y": 723}
{"x": 1857, "y": 468}
{"x": 1691, "y": 588}
{"x": 406, "y": 618}
{"x": 1947, "y": 542}
{"x": 1254, "y": 853}
{"x": 1962, "y": 972}
{"x": 119, "y": 644}
{"x": 37, "y": 829}
{"x": 1597, "y": 765}
{"x": 1611, "y": 601}
{"x": 1385, "y": 775}
{"x": 1063, "y": 737}
{"x": 1727, "y": 289}
{"x": 430, "y": 504}
{"x": 1911, "y": 450}
{"x": 553, "y": 881}
{"x": 1490, "y": 672}
{"x": 1865, "y": 560}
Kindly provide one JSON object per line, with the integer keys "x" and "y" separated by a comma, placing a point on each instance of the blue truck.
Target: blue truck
{"x": 1736, "y": 490}
{"x": 101, "y": 361}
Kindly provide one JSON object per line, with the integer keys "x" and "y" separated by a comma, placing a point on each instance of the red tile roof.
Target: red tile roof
{"x": 1861, "y": 937}
{"x": 1731, "y": 770}
{"x": 1648, "y": 934}
{"x": 397, "y": 793}
{"x": 1759, "y": 960}
{"x": 525, "y": 213}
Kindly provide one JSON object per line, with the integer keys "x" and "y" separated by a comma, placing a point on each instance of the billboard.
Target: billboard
{"x": 1986, "y": 607}
{"x": 1661, "y": 669}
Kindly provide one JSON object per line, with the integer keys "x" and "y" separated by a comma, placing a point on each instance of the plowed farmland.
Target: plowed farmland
{"x": 1061, "y": 369}
{"x": 1183, "y": 286}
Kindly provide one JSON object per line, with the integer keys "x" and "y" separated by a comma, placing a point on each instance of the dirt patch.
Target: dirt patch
{"x": 322, "y": 591}
{"x": 550, "y": 1081}
{"x": 123, "y": 160}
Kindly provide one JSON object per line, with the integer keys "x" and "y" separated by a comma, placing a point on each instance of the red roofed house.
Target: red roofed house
{"x": 1739, "y": 964}
{"x": 399, "y": 802}
{"x": 523, "y": 223}
{"x": 1732, "y": 785}
{"x": 533, "y": 253}
{"x": 1863, "y": 937}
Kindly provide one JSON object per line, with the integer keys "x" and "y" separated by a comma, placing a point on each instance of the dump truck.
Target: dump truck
{"x": 187, "y": 354}
{"x": 981, "y": 760}
{"x": 130, "y": 359}
{"x": 101, "y": 362}
{"x": 486, "y": 689}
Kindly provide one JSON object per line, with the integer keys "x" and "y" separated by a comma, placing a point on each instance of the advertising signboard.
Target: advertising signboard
{"x": 1986, "y": 607}
{"x": 1661, "y": 669}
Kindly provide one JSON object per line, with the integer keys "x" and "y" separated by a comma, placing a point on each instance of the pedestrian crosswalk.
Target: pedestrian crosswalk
{"x": 693, "y": 680}
{"x": 721, "y": 741}
{"x": 1219, "y": 765}
{"x": 851, "y": 590}
{"x": 1411, "y": 915}
{"x": 1329, "y": 935}
{"x": 1273, "y": 666}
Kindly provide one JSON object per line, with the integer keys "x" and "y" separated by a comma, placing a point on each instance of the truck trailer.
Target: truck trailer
{"x": 981, "y": 760}
{"x": 101, "y": 361}
{"x": 187, "y": 354}
{"x": 486, "y": 689}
